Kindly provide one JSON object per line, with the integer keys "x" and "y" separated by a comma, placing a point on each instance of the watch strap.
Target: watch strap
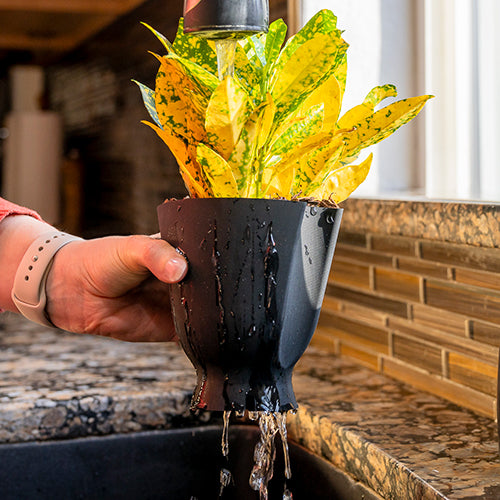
{"x": 28, "y": 292}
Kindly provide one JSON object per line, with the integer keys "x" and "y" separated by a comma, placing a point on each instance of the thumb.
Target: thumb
{"x": 144, "y": 253}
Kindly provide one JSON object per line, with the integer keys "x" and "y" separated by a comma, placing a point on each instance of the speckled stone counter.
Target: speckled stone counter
{"x": 402, "y": 443}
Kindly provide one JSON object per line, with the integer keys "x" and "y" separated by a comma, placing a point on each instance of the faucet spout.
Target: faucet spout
{"x": 225, "y": 18}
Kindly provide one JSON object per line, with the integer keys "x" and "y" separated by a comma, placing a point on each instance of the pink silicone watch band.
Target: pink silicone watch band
{"x": 28, "y": 292}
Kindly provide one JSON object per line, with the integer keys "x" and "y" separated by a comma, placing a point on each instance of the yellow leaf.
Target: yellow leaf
{"x": 343, "y": 181}
{"x": 267, "y": 120}
{"x": 217, "y": 172}
{"x": 179, "y": 105}
{"x": 315, "y": 168}
{"x": 253, "y": 134}
{"x": 330, "y": 95}
{"x": 186, "y": 159}
{"x": 226, "y": 114}
{"x": 355, "y": 115}
{"x": 376, "y": 127}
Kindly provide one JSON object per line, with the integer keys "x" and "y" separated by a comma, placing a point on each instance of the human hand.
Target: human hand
{"x": 115, "y": 286}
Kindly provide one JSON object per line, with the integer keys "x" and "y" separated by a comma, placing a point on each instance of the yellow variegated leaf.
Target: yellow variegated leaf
{"x": 186, "y": 159}
{"x": 343, "y": 181}
{"x": 195, "y": 188}
{"x": 313, "y": 168}
{"x": 296, "y": 129}
{"x": 304, "y": 71}
{"x": 279, "y": 185}
{"x": 267, "y": 120}
{"x": 376, "y": 127}
{"x": 355, "y": 115}
{"x": 252, "y": 136}
{"x": 275, "y": 167}
{"x": 174, "y": 99}
{"x": 217, "y": 172}
{"x": 340, "y": 73}
{"x": 329, "y": 94}
{"x": 227, "y": 112}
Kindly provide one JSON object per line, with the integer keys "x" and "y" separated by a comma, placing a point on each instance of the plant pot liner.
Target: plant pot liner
{"x": 249, "y": 305}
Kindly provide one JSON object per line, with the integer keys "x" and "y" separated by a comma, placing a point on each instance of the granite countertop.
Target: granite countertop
{"x": 403, "y": 443}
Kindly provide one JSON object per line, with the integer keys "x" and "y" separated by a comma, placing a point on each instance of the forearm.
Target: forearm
{"x": 17, "y": 232}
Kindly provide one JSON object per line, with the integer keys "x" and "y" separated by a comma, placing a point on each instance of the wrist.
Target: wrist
{"x": 29, "y": 289}
{"x": 17, "y": 232}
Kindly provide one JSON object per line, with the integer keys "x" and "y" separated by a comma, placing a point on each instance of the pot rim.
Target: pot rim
{"x": 307, "y": 202}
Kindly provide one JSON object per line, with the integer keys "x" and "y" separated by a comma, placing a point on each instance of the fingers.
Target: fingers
{"x": 155, "y": 255}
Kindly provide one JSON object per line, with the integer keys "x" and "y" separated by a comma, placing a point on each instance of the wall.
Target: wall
{"x": 414, "y": 293}
{"x": 128, "y": 169}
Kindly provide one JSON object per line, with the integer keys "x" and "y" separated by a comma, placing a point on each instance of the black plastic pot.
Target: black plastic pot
{"x": 226, "y": 18}
{"x": 248, "y": 307}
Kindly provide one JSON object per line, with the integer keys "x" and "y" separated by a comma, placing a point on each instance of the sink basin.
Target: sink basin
{"x": 180, "y": 464}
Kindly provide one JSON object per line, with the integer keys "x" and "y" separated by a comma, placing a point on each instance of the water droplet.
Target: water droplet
{"x": 225, "y": 433}
{"x": 226, "y": 479}
{"x": 314, "y": 210}
{"x": 330, "y": 219}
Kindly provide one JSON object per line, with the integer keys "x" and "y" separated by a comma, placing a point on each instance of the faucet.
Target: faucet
{"x": 225, "y": 18}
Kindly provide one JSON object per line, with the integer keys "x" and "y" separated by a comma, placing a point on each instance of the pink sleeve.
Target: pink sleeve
{"x": 8, "y": 208}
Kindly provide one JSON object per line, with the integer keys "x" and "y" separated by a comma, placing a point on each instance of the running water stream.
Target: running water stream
{"x": 226, "y": 51}
{"x": 270, "y": 424}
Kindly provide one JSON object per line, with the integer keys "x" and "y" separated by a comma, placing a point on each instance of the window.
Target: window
{"x": 441, "y": 47}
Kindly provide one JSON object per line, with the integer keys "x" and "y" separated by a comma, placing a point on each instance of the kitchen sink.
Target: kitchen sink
{"x": 179, "y": 464}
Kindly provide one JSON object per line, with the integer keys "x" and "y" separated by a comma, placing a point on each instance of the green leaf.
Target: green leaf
{"x": 218, "y": 173}
{"x": 196, "y": 49}
{"x": 227, "y": 112}
{"x": 255, "y": 50}
{"x": 274, "y": 40}
{"x": 148, "y": 97}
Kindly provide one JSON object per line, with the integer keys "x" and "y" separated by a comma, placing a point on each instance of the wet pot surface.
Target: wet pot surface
{"x": 181, "y": 464}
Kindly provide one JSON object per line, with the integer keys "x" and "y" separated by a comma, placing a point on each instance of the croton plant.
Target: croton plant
{"x": 273, "y": 129}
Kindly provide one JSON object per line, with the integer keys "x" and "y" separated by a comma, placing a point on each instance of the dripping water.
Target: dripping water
{"x": 225, "y": 433}
{"x": 270, "y": 424}
{"x": 225, "y": 474}
{"x": 226, "y": 50}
